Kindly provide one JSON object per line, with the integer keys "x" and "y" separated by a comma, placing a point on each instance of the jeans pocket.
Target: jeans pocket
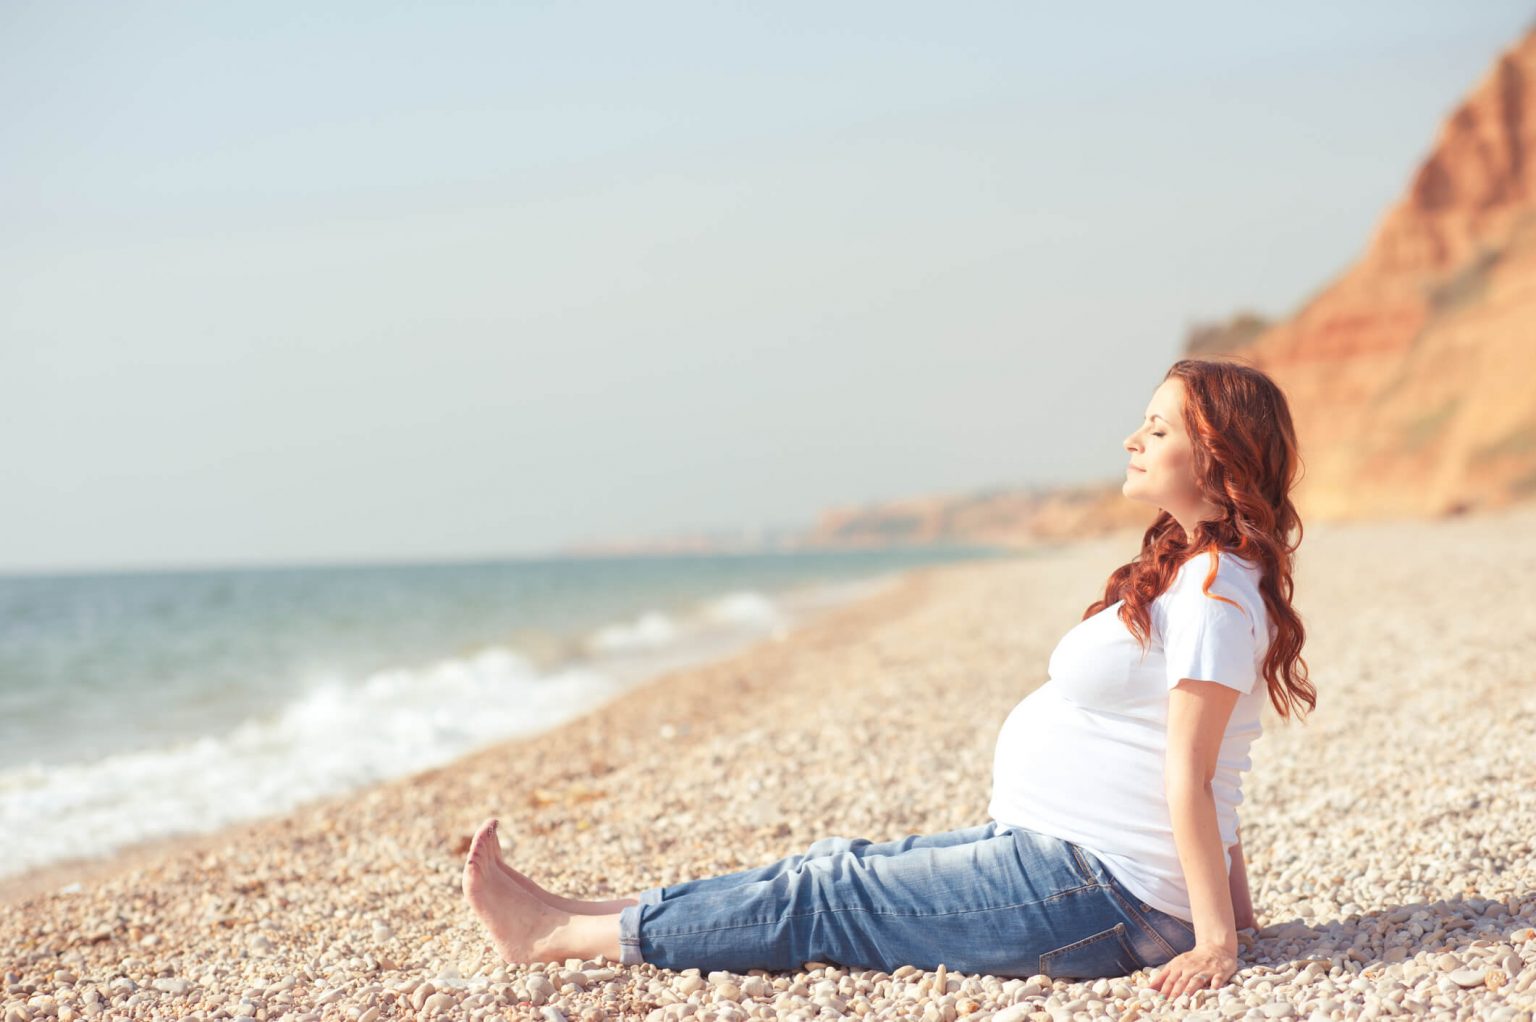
{"x": 1168, "y": 929}
{"x": 1179, "y": 934}
{"x": 1105, "y": 954}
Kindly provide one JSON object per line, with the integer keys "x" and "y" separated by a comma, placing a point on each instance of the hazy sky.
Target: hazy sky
{"x": 287, "y": 282}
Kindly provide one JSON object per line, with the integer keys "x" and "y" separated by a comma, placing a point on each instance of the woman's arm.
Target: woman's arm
{"x": 1237, "y": 883}
{"x": 1198, "y": 712}
{"x": 1192, "y": 807}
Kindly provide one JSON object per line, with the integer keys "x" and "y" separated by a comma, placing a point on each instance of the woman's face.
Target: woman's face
{"x": 1161, "y": 468}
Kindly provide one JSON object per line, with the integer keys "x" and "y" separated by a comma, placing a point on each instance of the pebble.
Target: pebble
{"x": 756, "y": 986}
{"x": 540, "y": 989}
{"x": 436, "y": 1003}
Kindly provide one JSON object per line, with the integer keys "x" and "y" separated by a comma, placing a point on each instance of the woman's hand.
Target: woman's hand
{"x": 1203, "y": 967}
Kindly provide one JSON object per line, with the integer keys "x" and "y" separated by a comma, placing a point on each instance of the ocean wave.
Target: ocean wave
{"x": 343, "y": 734}
{"x": 336, "y": 737}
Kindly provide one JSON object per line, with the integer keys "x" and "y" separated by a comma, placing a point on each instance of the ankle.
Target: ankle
{"x": 561, "y": 942}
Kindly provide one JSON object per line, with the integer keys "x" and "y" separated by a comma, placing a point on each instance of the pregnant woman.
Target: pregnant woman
{"x": 1112, "y": 843}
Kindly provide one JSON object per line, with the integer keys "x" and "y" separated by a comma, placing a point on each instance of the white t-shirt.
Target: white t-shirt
{"x": 1081, "y": 758}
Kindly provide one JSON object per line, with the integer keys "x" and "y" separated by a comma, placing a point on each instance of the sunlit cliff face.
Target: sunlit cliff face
{"x": 1161, "y": 467}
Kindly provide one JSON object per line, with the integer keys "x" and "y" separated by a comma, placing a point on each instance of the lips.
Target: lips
{"x": 1133, "y": 468}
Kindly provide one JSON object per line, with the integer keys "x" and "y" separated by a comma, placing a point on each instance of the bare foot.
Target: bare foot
{"x": 571, "y": 905}
{"x": 520, "y": 925}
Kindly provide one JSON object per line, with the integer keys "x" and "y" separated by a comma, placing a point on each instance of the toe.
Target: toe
{"x": 477, "y": 847}
{"x": 470, "y": 881}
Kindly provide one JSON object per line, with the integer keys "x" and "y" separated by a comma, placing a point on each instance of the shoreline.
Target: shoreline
{"x": 805, "y": 604}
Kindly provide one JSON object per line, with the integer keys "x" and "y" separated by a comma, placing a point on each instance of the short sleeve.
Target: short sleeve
{"x": 1209, "y": 639}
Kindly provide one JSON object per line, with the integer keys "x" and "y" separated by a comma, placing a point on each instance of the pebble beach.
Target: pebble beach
{"x": 1388, "y": 837}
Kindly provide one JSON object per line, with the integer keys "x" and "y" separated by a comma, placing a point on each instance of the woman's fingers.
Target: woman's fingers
{"x": 1174, "y": 983}
{"x": 1176, "y": 980}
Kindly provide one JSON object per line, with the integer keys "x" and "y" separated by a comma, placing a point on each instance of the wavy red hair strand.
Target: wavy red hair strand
{"x": 1246, "y": 461}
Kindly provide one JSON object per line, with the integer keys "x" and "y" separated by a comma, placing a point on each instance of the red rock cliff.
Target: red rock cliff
{"x": 1412, "y": 377}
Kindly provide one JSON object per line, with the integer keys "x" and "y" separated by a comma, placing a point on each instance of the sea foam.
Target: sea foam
{"x": 342, "y": 734}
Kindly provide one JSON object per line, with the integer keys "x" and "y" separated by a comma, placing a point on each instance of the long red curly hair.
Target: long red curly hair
{"x": 1246, "y": 461}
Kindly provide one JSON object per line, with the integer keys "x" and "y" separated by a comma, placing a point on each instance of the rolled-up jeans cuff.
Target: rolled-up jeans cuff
{"x": 629, "y": 926}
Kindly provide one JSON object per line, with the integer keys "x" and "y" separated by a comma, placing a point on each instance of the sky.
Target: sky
{"x": 289, "y": 283}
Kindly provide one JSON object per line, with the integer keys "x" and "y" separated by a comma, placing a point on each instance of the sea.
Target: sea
{"x": 141, "y": 705}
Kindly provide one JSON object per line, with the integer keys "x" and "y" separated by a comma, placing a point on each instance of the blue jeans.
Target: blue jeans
{"x": 986, "y": 899}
